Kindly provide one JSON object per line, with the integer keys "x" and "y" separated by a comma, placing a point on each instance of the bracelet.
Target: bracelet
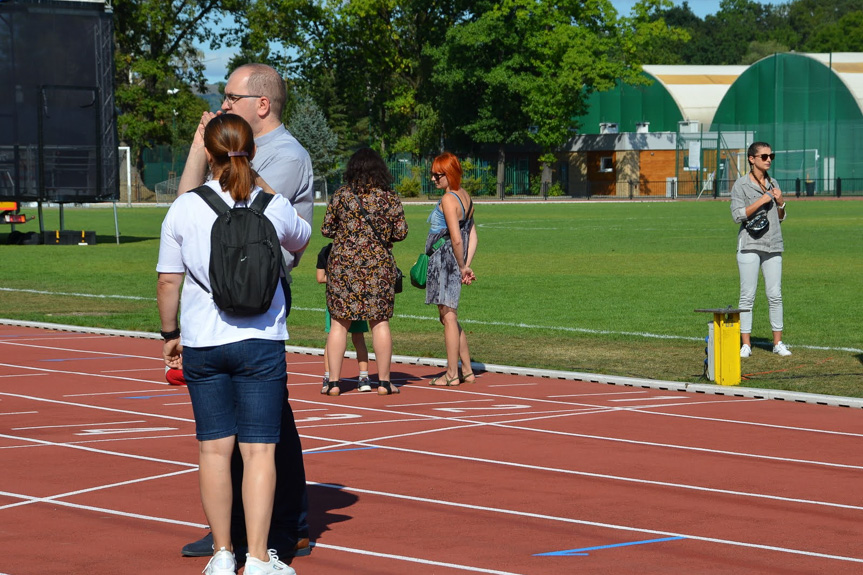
{"x": 169, "y": 335}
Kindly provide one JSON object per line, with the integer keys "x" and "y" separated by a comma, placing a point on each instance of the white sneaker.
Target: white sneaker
{"x": 223, "y": 562}
{"x": 780, "y": 349}
{"x": 745, "y": 350}
{"x": 364, "y": 384}
{"x": 272, "y": 567}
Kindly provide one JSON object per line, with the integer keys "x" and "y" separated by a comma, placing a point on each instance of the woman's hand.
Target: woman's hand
{"x": 777, "y": 195}
{"x": 172, "y": 352}
{"x": 467, "y": 276}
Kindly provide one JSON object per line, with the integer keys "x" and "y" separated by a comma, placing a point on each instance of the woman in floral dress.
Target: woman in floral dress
{"x": 361, "y": 270}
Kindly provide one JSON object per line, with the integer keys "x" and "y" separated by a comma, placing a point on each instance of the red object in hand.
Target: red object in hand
{"x": 175, "y": 376}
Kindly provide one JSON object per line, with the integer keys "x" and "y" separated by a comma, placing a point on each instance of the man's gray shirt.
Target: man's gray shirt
{"x": 285, "y": 165}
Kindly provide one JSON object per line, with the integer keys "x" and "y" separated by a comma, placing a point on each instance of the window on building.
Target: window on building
{"x": 606, "y": 164}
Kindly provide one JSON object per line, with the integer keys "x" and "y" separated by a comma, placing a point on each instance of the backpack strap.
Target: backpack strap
{"x": 260, "y": 203}
{"x": 212, "y": 198}
{"x": 262, "y": 200}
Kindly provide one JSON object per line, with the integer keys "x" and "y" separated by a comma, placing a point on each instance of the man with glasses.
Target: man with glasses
{"x": 256, "y": 92}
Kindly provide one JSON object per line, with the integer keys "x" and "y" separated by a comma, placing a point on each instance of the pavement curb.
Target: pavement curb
{"x": 704, "y": 388}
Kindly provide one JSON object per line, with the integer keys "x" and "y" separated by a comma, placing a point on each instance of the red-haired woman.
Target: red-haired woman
{"x": 449, "y": 264}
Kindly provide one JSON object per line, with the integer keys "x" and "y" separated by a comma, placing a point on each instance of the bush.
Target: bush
{"x": 410, "y": 186}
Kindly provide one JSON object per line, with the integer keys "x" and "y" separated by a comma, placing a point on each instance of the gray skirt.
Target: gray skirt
{"x": 443, "y": 283}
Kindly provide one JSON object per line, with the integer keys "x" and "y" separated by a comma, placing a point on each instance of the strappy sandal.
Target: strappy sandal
{"x": 464, "y": 377}
{"x": 447, "y": 382}
{"x": 331, "y": 388}
{"x": 387, "y": 388}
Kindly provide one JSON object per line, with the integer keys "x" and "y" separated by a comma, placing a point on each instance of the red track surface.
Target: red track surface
{"x": 99, "y": 473}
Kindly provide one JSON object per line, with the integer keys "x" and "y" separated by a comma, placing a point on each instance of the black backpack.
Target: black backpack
{"x": 245, "y": 255}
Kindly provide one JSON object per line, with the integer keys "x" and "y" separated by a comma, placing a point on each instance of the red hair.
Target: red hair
{"x": 448, "y": 164}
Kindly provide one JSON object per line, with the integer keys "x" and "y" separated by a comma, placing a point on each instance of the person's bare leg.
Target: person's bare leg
{"x": 382, "y": 342}
{"x": 359, "y": 341}
{"x": 451, "y": 329}
{"x": 214, "y": 478}
{"x": 259, "y": 487}
{"x": 336, "y": 345}
{"x": 464, "y": 355}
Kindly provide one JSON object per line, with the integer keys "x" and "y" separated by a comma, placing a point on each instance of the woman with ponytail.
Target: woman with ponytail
{"x": 234, "y": 366}
{"x": 758, "y": 206}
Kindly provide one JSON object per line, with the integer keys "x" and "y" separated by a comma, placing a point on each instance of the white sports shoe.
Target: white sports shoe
{"x": 364, "y": 384}
{"x": 780, "y": 349}
{"x": 222, "y": 563}
{"x": 272, "y": 567}
{"x": 745, "y": 350}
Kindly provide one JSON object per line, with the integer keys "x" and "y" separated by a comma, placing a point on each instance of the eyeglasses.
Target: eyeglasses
{"x": 234, "y": 98}
{"x": 436, "y": 176}
{"x": 765, "y": 157}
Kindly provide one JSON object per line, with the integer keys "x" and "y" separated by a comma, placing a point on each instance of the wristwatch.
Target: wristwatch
{"x": 169, "y": 335}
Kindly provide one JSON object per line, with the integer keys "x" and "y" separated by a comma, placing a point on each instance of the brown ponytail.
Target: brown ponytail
{"x": 231, "y": 143}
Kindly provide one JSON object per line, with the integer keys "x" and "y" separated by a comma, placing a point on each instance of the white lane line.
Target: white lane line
{"x": 593, "y": 523}
{"x": 751, "y": 423}
{"x": 98, "y": 407}
{"x": 689, "y": 487}
{"x": 72, "y": 445}
{"x": 595, "y": 394}
{"x": 470, "y": 422}
{"x": 652, "y": 398}
{"x": 82, "y": 373}
{"x": 79, "y": 425}
{"x": 29, "y": 500}
{"x": 456, "y": 566}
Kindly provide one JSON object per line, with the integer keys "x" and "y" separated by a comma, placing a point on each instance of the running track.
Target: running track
{"x": 511, "y": 475}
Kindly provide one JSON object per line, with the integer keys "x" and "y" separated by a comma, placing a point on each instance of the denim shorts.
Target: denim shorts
{"x": 237, "y": 389}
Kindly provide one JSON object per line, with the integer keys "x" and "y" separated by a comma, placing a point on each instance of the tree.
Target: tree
{"x": 309, "y": 126}
{"x": 845, "y": 35}
{"x": 154, "y": 53}
{"x": 365, "y": 62}
{"x": 519, "y": 70}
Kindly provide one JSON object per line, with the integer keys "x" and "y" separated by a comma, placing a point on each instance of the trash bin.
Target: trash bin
{"x": 810, "y": 188}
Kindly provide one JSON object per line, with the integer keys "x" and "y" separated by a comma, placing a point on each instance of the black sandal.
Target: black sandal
{"x": 331, "y": 388}
{"x": 387, "y": 388}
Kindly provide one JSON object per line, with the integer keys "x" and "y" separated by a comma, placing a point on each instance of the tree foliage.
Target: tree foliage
{"x": 418, "y": 75}
{"x": 154, "y": 53}
{"x": 309, "y": 126}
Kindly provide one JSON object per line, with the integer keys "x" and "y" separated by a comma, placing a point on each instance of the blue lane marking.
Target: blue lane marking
{"x": 337, "y": 450}
{"x": 152, "y": 396}
{"x": 89, "y": 358}
{"x": 581, "y": 552}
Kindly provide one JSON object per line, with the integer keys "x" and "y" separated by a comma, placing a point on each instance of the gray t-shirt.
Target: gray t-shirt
{"x": 286, "y": 166}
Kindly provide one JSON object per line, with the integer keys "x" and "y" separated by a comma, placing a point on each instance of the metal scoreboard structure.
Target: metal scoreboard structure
{"x": 58, "y": 126}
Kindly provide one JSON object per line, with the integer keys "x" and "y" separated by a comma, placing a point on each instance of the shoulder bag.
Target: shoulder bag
{"x": 399, "y": 275}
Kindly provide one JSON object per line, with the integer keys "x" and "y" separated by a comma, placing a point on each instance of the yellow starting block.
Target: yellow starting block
{"x": 723, "y": 345}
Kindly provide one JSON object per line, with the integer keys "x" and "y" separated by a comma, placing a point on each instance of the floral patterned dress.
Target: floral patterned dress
{"x": 361, "y": 272}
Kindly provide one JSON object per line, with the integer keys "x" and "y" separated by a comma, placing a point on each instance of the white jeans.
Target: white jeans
{"x": 748, "y": 263}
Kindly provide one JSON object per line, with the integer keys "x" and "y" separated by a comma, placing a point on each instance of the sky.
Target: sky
{"x": 216, "y": 62}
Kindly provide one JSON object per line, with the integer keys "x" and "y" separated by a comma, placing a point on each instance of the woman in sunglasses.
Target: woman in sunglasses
{"x": 452, "y": 238}
{"x": 758, "y": 206}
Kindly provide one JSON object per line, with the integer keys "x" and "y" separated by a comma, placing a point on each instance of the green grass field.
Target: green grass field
{"x": 606, "y": 288}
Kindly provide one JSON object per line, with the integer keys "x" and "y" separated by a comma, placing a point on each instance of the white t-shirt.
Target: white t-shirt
{"x": 185, "y": 245}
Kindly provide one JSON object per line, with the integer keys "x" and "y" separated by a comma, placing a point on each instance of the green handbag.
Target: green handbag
{"x": 419, "y": 271}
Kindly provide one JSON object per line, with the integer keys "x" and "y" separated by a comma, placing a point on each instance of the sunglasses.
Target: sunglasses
{"x": 765, "y": 157}
{"x": 436, "y": 176}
